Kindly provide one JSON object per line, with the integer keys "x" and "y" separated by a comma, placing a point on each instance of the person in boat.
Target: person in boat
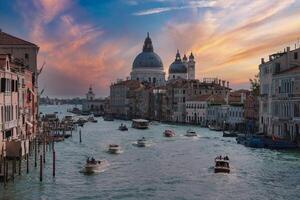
{"x": 93, "y": 160}
{"x": 88, "y": 160}
{"x": 226, "y": 158}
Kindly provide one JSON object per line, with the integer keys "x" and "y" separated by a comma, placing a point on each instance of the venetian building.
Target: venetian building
{"x": 147, "y": 66}
{"x": 90, "y": 96}
{"x": 182, "y": 68}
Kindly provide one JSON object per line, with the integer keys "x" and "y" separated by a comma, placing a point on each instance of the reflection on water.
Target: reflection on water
{"x": 171, "y": 168}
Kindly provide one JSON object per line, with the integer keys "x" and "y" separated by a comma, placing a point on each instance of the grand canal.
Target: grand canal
{"x": 171, "y": 168}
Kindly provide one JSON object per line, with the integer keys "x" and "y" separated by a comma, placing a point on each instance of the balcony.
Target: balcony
{"x": 9, "y": 125}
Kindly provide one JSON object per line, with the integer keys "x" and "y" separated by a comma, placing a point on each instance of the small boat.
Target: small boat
{"x": 92, "y": 119}
{"x": 191, "y": 133}
{"x": 154, "y": 123}
{"x": 140, "y": 123}
{"x": 123, "y": 127}
{"x": 142, "y": 142}
{"x": 67, "y": 135}
{"x": 114, "y": 149}
{"x": 169, "y": 133}
{"x": 94, "y": 166}
{"x": 214, "y": 128}
{"x": 229, "y": 134}
{"x": 222, "y": 164}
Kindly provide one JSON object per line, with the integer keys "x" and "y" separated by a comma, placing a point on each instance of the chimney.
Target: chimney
{"x": 228, "y": 84}
{"x": 288, "y": 49}
{"x": 270, "y": 58}
{"x": 262, "y": 60}
{"x": 219, "y": 81}
{"x": 223, "y": 83}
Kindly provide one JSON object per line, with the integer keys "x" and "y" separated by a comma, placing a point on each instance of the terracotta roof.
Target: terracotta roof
{"x": 6, "y": 39}
{"x": 132, "y": 84}
{"x": 203, "y": 97}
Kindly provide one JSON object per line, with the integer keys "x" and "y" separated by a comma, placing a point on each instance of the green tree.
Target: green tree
{"x": 255, "y": 85}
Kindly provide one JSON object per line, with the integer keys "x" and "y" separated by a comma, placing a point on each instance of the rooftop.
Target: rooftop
{"x": 6, "y": 39}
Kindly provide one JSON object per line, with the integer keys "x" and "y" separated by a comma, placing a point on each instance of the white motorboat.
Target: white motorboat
{"x": 191, "y": 133}
{"x": 114, "y": 149}
{"x": 95, "y": 166}
{"x": 140, "y": 123}
{"x": 222, "y": 164}
{"x": 142, "y": 142}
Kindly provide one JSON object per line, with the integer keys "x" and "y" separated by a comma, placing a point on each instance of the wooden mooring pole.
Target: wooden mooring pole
{"x": 20, "y": 161}
{"x": 41, "y": 168}
{"x": 27, "y": 163}
{"x": 53, "y": 172}
{"x": 80, "y": 140}
{"x": 35, "y": 153}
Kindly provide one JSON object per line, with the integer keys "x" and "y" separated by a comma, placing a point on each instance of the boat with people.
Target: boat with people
{"x": 114, "y": 149}
{"x": 140, "y": 123}
{"x": 123, "y": 127}
{"x": 93, "y": 166}
{"x": 191, "y": 133}
{"x": 142, "y": 142}
{"x": 229, "y": 134}
{"x": 222, "y": 164}
{"x": 169, "y": 133}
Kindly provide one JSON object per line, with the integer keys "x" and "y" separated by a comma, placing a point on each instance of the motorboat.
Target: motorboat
{"x": 140, "y": 123}
{"x": 123, "y": 127}
{"x": 191, "y": 133}
{"x": 94, "y": 166}
{"x": 222, "y": 164}
{"x": 169, "y": 133}
{"x": 92, "y": 119}
{"x": 142, "y": 142}
{"x": 81, "y": 122}
{"x": 229, "y": 134}
{"x": 114, "y": 149}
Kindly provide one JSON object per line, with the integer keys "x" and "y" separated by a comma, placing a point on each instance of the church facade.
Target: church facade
{"x": 148, "y": 68}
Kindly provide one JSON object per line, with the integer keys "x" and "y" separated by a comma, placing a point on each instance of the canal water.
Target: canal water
{"x": 171, "y": 168}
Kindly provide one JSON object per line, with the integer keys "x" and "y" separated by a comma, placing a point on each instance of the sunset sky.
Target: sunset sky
{"x": 94, "y": 42}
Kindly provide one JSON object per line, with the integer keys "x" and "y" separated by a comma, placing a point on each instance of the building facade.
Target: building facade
{"x": 279, "y": 95}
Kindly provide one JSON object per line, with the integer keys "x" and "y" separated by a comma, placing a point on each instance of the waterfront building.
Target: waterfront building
{"x": 182, "y": 68}
{"x": 280, "y": 95}
{"x": 147, "y": 66}
{"x": 91, "y": 104}
{"x": 121, "y": 94}
{"x": 216, "y": 110}
{"x": 251, "y": 113}
{"x": 196, "y": 110}
{"x": 17, "y": 103}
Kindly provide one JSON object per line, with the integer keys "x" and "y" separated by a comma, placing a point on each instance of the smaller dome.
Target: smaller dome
{"x": 178, "y": 66}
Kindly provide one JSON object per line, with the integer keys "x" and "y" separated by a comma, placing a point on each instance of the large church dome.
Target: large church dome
{"x": 147, "y": 59}
{"x": 178, "y": 66}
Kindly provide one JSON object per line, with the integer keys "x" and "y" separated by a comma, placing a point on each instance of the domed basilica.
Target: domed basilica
{"x": 148, "y": 67}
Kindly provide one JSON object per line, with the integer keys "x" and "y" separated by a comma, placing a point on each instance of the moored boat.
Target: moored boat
{"x": 169, "y": 133}
{"x": 229, "y": 134}
{"x": 191, "y": 133}
{"x": 140, "y": 123}
{"x": 222, "y": 164}
{"x": 214, "y": 128}
{"x": 94, "y": 166}
{"x": 92, "y": 119}
{"x": 114, "y": 149}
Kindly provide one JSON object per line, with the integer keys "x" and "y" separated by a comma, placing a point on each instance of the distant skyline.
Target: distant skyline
{"x": 95, "y": 42}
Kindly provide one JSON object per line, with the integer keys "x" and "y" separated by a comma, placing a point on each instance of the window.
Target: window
{"x": 26, "y": 56}
{"x": 3, "y": 84}
{"x": 296, "y": 55}
{"x": 277, "y": 68}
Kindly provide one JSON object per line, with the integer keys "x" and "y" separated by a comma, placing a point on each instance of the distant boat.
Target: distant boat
{"x": 92, "y": 119}
{"x": 169, "y": 133}
{"x": 191, "y": 133}
{"x": 140, "y": 123}
{"x": 94, "y": 166}
{"x": 114, "y": 149}
{"x": 229, "y": 134}
{"x": 222, "y": 165}
{"x": 142, "y": 142}
{"x": 123, "y": 127}
{"x": 108, "y": 117}
{"x": 214, "y": 128}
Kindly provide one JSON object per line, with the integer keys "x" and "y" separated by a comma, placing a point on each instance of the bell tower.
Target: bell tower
{"x": 191, "y": 67}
